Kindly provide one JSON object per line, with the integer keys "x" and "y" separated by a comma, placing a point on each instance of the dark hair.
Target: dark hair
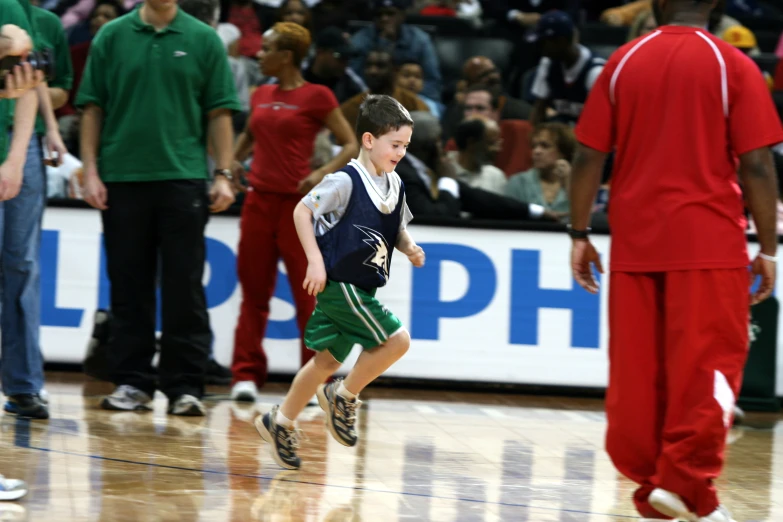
{"x": 473, "y": 129}
{"x": 202, "y": 10}
{"x": 116, "y": 4}
{"x": 562, "y": 135}
{"x": 380, "y": 114}
{"x": 494, "y": 93}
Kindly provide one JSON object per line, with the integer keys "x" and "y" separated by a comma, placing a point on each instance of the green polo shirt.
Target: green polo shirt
{"x": 51, "y": 35}
{"x": 14, "y": 12}
{"x": 156, "y": 89}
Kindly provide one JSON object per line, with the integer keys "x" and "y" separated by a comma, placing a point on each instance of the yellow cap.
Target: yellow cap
{"x": 740, "y": 37}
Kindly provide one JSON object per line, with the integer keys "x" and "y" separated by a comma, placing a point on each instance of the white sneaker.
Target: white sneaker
{"x": 44, "y": 396}
{"x": 127, "y": 398}
{"x": 245, "y": 391}
{"x": 719, "y": 515}
{"x": 670, "y": 505}
{"x": 187, "y": 406}
{"x": 12, "y": 489}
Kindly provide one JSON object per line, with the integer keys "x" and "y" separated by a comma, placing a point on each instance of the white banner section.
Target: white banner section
{"x": 488, "y": 306}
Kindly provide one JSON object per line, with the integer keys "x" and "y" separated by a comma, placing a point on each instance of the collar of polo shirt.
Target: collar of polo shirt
{"x": 139, "y": 25}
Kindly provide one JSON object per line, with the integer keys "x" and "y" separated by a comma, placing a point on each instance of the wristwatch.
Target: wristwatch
{"x": 578, "y": 234}
{"x": 226, "y": 173}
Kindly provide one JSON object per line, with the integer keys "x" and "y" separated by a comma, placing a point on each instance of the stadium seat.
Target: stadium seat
{"x": 768, "y": 40}
{"x": 767, "y": 62}
{"x": 761, "y": 23}
{"x": 443, "y": 25}
{"x": 453, "y": 51}
{"x": 597, "y": 34}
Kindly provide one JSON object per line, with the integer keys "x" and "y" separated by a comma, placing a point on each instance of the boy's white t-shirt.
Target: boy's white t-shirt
{"x": 329, "y": 199}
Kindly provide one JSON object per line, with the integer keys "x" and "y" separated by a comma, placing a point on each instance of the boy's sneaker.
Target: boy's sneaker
{"x": 244, "y": 391}
{"x": 340, "y": 413}
{"x": 719, "y": 515}
{"x": 127, "y": 398}
{"x": 284, "y": 441}
{"x": 671, "y": 505}
{"x": 12, "y": 489}
{"x": 188, "y": 406}
{"x": 27, "y": 405}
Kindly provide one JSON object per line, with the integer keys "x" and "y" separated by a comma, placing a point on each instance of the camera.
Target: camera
{"x": 39, "y": 60}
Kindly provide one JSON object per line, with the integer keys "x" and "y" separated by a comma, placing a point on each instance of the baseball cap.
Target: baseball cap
{"x": 332, "y": 38}
{"x": 395, "y": 4}
{"x": 740, "y": 37}
{"x": 554, "y": 24}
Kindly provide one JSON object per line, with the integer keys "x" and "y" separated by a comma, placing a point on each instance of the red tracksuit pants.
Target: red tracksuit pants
{"x": 678, "y": 342}
{"x": 267, "y": 233}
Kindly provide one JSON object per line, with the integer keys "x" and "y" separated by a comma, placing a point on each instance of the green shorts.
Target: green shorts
{"x": 345, "y": 316}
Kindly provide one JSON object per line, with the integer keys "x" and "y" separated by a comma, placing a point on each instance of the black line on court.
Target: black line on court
{"x": 309, "y": 483}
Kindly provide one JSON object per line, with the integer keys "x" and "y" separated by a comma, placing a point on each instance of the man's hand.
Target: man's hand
{"x": 315, "y": 279}
{"x": 16, "y": 41}
{"x": 94, "y": 190}
{"x": 19, "y": 80}
{"x": 583, "y": 258}
{"x": 767, "y": 271}
{"x": 221, "y": 194}
{"x": 56, "y": 148}
{"x": 306, "y": 185}
{"x": 10, "y": 180}
{"x": 416, "y": 256}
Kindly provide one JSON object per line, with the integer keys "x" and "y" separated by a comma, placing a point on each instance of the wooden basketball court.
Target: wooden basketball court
{"x": 423, "y": 456}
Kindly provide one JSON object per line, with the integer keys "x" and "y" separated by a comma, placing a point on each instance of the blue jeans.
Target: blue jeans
{"x": 20, "y": 286}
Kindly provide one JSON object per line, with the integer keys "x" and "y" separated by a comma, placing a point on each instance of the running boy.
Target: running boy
{"x": 347, "y": 224}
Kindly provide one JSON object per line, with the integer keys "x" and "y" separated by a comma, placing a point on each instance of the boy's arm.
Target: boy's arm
{"x": 315, "y": 280}
{"x": 408, "y": 246}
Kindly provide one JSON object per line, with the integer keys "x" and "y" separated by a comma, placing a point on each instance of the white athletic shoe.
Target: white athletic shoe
{"x": 12, "y": 489}
{"x": 719, "y": 515}
{"x": 671, "y": 505}
{"x": 44, "y": 396}
{"x": 245, "y": 391}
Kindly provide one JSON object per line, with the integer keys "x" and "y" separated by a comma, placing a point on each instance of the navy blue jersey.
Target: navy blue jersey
{"x": 568, "y": 99}
{"x": 358, "y": 250}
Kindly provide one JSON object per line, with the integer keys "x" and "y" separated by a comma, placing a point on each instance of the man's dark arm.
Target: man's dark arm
{"x": 760, "y": 182}
{"x": 420, "y": 200}
{"x": 487, "y": 205}
{"x": 586, "y": 171}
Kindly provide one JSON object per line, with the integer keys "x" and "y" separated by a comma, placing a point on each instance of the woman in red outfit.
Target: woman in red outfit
{"x": 281, "y": 131}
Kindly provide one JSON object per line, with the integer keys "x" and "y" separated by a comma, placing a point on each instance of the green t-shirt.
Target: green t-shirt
{"x": 14, "y": 12}
{"x": 51, "y": 35}
{"x": 156, "y": 89}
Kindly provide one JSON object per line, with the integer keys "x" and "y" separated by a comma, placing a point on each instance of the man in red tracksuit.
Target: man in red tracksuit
{"x": 678, "y": 107}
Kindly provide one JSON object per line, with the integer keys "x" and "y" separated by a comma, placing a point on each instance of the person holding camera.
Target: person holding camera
{"x": 21, "y": 207}
{"x": 148, "y": 115}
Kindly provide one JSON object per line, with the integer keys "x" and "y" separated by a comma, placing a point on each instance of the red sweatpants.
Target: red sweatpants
{"x": 267, "y": 233}
{"x": 678, "y": 342}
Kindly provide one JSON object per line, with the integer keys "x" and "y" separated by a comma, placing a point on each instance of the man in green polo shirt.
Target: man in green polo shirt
{"x": 156, "y": 89}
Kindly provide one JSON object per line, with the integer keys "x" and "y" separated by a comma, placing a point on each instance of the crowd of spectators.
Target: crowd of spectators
{"x": 496, "y": 85}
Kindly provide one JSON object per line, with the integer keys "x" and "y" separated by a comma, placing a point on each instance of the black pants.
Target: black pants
{"x": 147, "y": 223}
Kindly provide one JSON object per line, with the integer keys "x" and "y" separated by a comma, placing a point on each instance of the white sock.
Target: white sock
{"x": 282, "y": 420}
{"x": 342, "y": 391}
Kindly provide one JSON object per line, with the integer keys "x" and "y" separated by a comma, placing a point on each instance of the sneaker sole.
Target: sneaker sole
{"x": 12, "y": 495}
{"x": 106, "y": 404}
{"x": 323, "y": 402}
{"x": 193, "y": 411}
{"x": 244, "y": 397}
{"x": 667, "y": 509}
{"x": 261, "y": 429}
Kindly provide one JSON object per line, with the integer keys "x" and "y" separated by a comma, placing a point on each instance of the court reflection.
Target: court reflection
{"x": 421, "y": 457}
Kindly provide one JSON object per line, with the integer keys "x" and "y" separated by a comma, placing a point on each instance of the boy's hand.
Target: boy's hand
{"x": 315, "y": 279}
{"x": 416, "y": 256}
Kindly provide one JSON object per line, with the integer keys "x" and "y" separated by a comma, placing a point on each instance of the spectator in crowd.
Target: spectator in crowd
{"x": 329, "y": 66}
{"x": 145, "y": 168}
{"x": 566, "y": 72}
{"x": 381, "y": 78}
{"x": 478, "y": 143}
{"x": 643, "y": 24}
{"x": 296, "y": 12}
{"x": 230, "y": 36}
{"x": 22, "y": 200}
{"x": 410, "y": 76}
{"x": 337, "y": 13}
{"x": 481, "y": 75}
{"x": 431, "y": 189}
{"x": 103, "y": 12}
{"x": 547, "y": 183}
{"x": 743, "y": 39}
{"x": 466, "y": 9}
{"x": 284, "y": 121}
{"x": 205, "y": 11}
{"x": 407, "y": 43}
{"x": 246, "y": 15}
